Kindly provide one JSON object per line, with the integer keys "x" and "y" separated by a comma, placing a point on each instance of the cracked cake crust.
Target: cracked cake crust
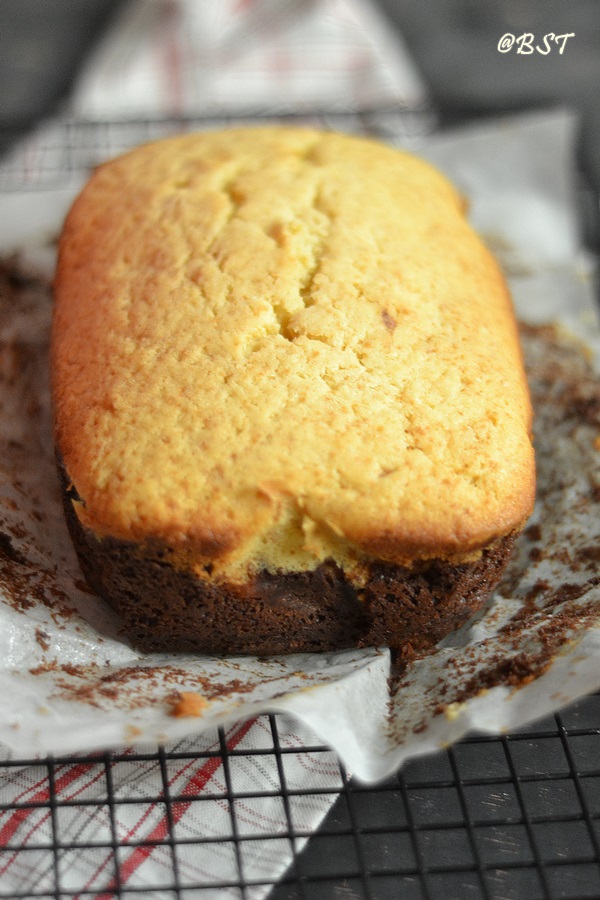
{"x": 279, "y": 348}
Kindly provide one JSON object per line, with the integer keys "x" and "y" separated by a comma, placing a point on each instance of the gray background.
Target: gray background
{"x": 454, "y": 43}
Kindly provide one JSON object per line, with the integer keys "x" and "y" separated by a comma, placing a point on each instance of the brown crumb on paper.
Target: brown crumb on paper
{"x": 43, "y": 638}
{"x": 188, "y": 703}
{"x": 533, "y": 532}
{"x": 131, "y": 733}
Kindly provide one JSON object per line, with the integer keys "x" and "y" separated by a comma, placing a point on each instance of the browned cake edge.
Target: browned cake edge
{"x": 169, "y": 609}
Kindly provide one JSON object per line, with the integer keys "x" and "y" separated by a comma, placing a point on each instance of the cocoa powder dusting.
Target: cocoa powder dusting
{"x": 43, "y": 638}
{"x": 29, "y": 562}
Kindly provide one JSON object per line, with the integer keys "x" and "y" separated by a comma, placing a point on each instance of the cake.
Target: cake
{"x": 289, "y": 399}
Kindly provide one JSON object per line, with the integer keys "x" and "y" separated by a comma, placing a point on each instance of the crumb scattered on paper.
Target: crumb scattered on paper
{"x": 188, "y": 703}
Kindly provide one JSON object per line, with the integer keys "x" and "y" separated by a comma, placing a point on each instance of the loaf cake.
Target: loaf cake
{"x": 289, "y": 399}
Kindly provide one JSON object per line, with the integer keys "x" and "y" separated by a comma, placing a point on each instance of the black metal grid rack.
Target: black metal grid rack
{"x": 492, "y": 818}
{"x": 497, "y": 818}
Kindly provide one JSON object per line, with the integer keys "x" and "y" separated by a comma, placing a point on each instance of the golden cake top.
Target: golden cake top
{"x": 273, "y": 341}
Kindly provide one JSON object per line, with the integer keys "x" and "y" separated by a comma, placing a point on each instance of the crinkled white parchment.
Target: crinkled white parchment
{"x": 69, "y": 683}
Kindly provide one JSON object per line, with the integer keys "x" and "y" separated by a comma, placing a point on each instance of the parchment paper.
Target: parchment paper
{"x": 68, "y": 680}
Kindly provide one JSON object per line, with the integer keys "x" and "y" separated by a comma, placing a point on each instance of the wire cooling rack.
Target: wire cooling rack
{"x": 491, "y": 818}
{"x": 497, "y": 818}
{"x": 56, "y": 151}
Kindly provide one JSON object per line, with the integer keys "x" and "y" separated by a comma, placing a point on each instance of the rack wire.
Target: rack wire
{"x": 496, "y": 818}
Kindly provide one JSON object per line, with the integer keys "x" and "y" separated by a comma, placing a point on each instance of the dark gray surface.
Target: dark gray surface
{"x": 42, "y": 44}
{"x": 455, "y": 43}
{"x": 502, "y": 818}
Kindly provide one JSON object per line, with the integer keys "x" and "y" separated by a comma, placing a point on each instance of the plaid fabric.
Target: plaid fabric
{"x": 167, "y": 58}
{"x": 187, "y": 817}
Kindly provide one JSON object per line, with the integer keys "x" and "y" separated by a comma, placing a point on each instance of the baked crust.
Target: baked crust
{"x": 278, "y": 346}
{"x": 290, "y": 404}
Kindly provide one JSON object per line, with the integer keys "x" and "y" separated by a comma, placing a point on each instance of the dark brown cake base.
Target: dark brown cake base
{"x": 168, "y": 609}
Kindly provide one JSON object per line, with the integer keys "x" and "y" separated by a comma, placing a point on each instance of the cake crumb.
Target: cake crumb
{"x": 453, "y": 711}
{"x": 188, "y": 703}
{"x": 132, "y": 732}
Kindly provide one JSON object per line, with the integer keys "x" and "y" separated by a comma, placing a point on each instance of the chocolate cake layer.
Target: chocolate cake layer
{"x": 168, "y": 609}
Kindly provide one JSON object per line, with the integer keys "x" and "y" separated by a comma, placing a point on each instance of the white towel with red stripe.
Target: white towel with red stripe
{"x": 196, "y": 57}
{"x": 182, "y": 819}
